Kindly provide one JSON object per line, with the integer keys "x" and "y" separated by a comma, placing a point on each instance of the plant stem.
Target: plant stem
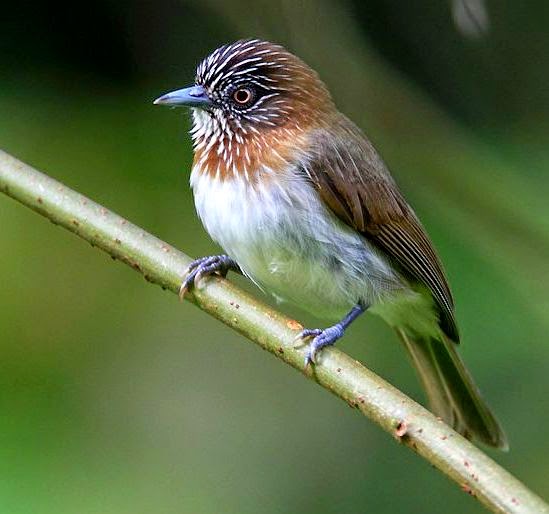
{"x": 160, "y": 263}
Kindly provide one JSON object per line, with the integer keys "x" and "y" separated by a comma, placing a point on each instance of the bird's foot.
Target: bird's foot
{"x": 321, "y": 338}
{"x": 219, "y": 264}
{"x": 328, "y": 336}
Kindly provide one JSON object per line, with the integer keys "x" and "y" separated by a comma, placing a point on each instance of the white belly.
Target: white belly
{"x": 286, "y": 241}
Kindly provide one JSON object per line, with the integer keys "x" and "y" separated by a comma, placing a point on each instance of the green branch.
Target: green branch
{"x": 162, "y": 264}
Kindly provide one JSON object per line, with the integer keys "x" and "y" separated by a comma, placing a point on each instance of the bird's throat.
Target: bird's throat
{"x": 226, "y": 149}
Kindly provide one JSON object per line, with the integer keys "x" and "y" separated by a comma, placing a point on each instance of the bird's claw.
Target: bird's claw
{"x": 307, "y": 334}
{"x": 205, "y": 266}
{"x": 321, "y": 338}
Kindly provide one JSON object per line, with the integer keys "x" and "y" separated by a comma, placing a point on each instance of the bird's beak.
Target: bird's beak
{"x": 194, "y": 96}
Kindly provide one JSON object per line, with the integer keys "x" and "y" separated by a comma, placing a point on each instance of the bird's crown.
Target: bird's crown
{"x": 260, "y": 83}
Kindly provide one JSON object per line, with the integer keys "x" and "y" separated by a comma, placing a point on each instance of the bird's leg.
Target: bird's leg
{"x": 328, "y": 336}
{"x": 220, "y": 264}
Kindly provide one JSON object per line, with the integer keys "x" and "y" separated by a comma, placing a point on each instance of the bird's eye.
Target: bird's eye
{"x": 243, "y": 95}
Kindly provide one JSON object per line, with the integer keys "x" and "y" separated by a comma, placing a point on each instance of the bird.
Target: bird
{"x": 303, "y": 205}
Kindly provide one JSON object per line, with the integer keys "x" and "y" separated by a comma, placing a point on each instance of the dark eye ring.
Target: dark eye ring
{"x": 242, "y": 95}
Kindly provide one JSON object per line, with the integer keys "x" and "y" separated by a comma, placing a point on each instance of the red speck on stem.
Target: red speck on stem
{"x": 467, "y": 489}
{"x": 401, "y": 429}
{"x": 294, "y": 325}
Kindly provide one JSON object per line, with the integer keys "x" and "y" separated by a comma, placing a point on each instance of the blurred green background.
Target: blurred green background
{"x": 116, "y": 398}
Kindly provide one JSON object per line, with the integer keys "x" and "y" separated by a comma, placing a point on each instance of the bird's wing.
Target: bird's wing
{"x": 354, "y": 183}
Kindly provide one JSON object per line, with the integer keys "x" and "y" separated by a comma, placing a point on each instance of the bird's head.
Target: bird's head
{"x": 252, "y": 101}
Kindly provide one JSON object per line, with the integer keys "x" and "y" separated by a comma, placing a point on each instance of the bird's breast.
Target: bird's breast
{"x": 284, "y": 238}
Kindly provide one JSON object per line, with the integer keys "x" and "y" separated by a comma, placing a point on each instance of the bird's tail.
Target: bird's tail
{"x": 450, "y": 389}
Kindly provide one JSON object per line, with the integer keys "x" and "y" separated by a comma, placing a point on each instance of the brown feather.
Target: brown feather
{"x": 355, "y": 184}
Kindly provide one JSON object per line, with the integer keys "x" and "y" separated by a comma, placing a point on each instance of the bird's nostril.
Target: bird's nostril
{"x": 197, "y": 91}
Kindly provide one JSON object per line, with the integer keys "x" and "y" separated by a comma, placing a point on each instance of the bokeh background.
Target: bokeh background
{"x": 116, "y": 398}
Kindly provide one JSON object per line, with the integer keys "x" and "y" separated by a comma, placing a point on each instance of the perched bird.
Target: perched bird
{"x": 305, "y": 207}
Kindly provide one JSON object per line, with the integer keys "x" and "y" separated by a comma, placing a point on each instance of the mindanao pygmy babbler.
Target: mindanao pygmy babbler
{"x": 305, "y": 207}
